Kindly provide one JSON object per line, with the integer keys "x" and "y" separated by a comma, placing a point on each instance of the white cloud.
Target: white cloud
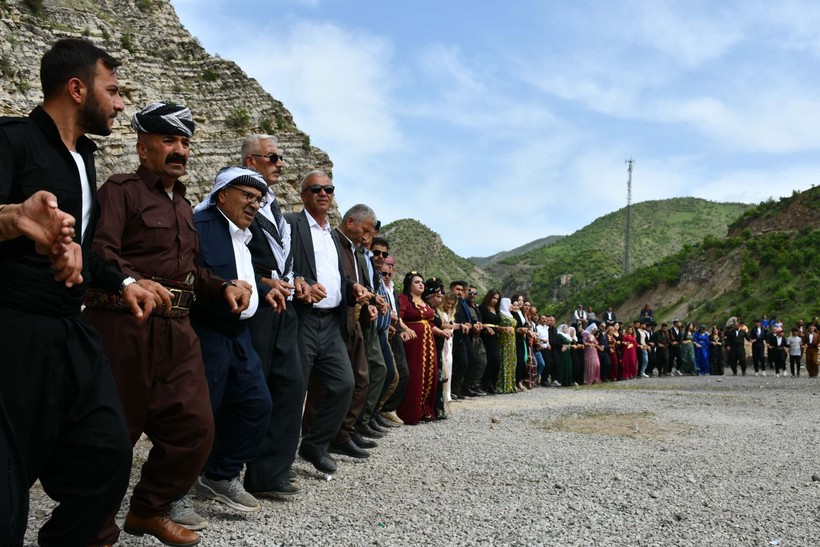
{"x": 336, "y": 82}
{"x": 779, "y": 122}
{"x": 689, "y": 36}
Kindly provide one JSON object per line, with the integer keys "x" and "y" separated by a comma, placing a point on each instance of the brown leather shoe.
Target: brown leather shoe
{"x": 162, "y": 528}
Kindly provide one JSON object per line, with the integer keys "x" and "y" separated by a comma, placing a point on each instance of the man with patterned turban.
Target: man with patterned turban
{"x": 146, "y": 228}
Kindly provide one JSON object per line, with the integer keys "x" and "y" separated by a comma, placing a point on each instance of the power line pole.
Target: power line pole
{"x": 628, "y": 241}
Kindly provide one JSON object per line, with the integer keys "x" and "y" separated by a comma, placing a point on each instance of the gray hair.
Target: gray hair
{"x": 314, "y": 173}
{"x": 359, "y": 213}
{"x": 251, "y": 144}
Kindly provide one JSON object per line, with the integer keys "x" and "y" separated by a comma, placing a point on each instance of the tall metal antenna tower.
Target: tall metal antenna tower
{"x": 628, "y": 240}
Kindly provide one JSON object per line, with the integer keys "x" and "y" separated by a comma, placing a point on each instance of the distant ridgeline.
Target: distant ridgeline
{"x": 417, "y": 247}
{"x": 555, "y": 274}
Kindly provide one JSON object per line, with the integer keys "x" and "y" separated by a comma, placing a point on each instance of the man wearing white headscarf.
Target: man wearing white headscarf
{"x": 146, "y": 228}
{"x": 239, "y": 395}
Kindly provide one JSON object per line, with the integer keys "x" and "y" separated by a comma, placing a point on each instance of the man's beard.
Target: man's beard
{"x": 92, "y": 117}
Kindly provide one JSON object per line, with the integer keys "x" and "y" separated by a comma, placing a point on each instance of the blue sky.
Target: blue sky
{"x": 496, "y": 123}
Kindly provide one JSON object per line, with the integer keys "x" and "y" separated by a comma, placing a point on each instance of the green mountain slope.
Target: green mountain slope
{"x": 595, "y": 253}
{"x": 416, "y": 247}
{"x": 769, "y": 264}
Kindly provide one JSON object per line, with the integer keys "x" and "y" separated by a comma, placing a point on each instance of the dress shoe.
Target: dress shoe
{"x": 361, "y": 442}
{"x": 366, "y": 431}
{"x": 392, "y": 417}
{"x": 282, "y": 490}
{"x": 162, "y": 528}
{"x": 479, "y": 392}
{"x": 376, "y": 426}
{"x": 384, "y": 422}
{"x": 322, "y": 463}
{"x": 349, "y": 448}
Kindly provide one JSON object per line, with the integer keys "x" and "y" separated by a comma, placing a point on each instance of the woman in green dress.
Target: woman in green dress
{"x": 506, "y": 348}
{"x": 687, "y": 350}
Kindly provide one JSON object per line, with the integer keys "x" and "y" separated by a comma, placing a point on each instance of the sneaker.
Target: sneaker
{"x": 777, "y": 374}
{"x": 228, "y": 491}
{"x": 183, "y": 513}
{"x": 763, "y": 373}
{"x": 644, "y": 375}
{"x": 755, "y": 373}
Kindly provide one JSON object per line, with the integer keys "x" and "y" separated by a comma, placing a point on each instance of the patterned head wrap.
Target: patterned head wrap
{"x": 164, "y": 119}
{"x": 229, "y": 176}
{"x": 432, "y": 286}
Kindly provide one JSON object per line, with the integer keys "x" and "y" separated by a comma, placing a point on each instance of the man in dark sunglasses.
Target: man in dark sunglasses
{"x": 323, "y": 328}
{"x": 275, "y": 334}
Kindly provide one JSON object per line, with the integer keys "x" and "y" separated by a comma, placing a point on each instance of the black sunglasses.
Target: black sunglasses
{"x": 377, "y": 254}
{"x": 273, "y": 158}
{"x": 316, "y": 188}
{"x": 472, "y": 292}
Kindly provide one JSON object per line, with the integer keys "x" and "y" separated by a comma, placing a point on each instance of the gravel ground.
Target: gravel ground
{"x": 731, "y": 461}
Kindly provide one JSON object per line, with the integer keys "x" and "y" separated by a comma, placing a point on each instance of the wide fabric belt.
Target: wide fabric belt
{"x": 181, "y": 301}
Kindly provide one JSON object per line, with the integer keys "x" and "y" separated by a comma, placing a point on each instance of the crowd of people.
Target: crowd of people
{"x": 235, "y": 336}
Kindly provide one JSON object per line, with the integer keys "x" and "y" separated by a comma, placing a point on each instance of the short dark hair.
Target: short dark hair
{"x": 71, "y": 58}
{"x": 458, "y": 283}
{"x": 381, "y": 242}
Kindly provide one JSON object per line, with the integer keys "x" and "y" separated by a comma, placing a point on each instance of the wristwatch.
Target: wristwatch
{"x": 125, "y": 282}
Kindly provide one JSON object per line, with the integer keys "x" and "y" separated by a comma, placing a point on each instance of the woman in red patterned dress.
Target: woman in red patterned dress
{"x": 419, "y": 398}
{"x": 629, "y": 363}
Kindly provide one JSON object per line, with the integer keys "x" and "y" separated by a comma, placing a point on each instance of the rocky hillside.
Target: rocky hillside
{"x": 161, "y": 61}
{"x": 417, "y": 247}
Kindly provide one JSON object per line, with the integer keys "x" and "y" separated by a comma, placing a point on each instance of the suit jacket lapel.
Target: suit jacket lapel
{"x": 307, "y": 242}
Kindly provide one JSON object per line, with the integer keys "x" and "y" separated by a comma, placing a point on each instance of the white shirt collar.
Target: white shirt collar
{"x": 313, "y": 222}
{"x": 240, "y": 235}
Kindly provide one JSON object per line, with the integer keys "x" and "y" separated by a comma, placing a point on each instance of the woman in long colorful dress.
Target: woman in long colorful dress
{"x": 447, "y": 312}
{"x": 505, "y": 383}
{"x": 564, "y": 356}
{"x": 687, "y": 350}
{"x": 592, "y": 365}
{"x": 419, "y": 398}
{"x": 432, "y": 296}
{"x": 614, "y": 360}
{"x": 629, "y": 363}
{"x": 702, "y": 351}
{"x": 603, "y": 354}
{"x": 521, "y": 351}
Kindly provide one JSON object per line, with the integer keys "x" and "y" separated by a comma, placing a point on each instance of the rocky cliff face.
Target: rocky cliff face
{"x": 161, "y": 61}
